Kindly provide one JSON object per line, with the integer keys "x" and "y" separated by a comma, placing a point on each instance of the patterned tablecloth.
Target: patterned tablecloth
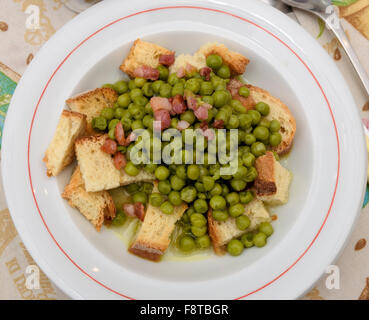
{"x": 20, "y": 42}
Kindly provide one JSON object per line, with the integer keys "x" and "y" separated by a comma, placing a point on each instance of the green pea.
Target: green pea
{"x": 120, "y": 87}
{"x": 166, "y": 207}
{"x": 127, "y": 124}
{"x": 255, "y": 115}
{"x": 274, "y": 126}
{"x": 233, "y": 122}
{"x": 251, "y": 174}
{"x": 202, "y": 196}
{"x": 107, "y": 113}
{"x": 111, "y": 133}
{"x": 258, "y": 149}
{"x": 122, "y": 149}
{"x": 162, "y": 173}
{"x": 187, "y": 244}
{"x": 174, "y": 198}
{"x": 137, "y": 124}
{"x": 218, "y": 203}
{"x": 203, "y": 242}
{"x": 156, "y": 199}
{"x": 132, "y": 188}
{"x": 108, "y": 85}
{"x": 238, "y": 106}
{"x": 206, "y": 88}
{"x": 275, "y": 139}
{"x": 173, "y": 79}
{"x": 225, "y": 190}
{"x": 199, "y": 231}
{"x": 188, "y": 194}
{"x": 147, "y": 121}
{"x": 244, "y": 91}
{"x": 147, "y": 89}
{"x": 208, "y": 183}
{"x": 263, "y": 108}
{"x": 164, "y": 187}
{"x": 181, "y": 172}
{"x": 245, "y": 121}
{"x": 156, "y": 85}
{"x": 214, "y": 61}
{"x": 165, "y": 90}
{"x": 124, "y": 100}
{"x": 264, "y": 123}
{"x": 178, "y": 88}
{"x": 236, "y": 210}
{"x": 163, "y": 72}
{"x": 190, "y": 211}
{"x": 224, "y": 72}
{"x": 120, "y": 218}
{"x": 150, "y": 167}
{"x": 198, "y": 220}
{"x": 259, "y": 239}
{"x": 266, "y": 228}
{"x": 201, "y": 206}
{"x": 193, "y": 85}
{"x": 140, "y": 197}
{"x": 232, "y": 198}
{"x": 131, "y": 84}
{"x": 140, "y": 101}
{"x": 220, "y": 215}
{"x": 249, "y": 139}
{"x": 113, "y": 123}
{"x": 118, "y": 113}
{"x": 208, "y": 99}
{"x": 177, "y": 183}
{"x": 193, "y": 172}
{"x": 248, "y": 159}
{"x": 238, "y": 184}
{"x": 261, "y": 133}
{"x": 246, "y": 239}
{"x": 235, "y": 247}
{"x": 188, "y": 116}
{"x": 246, "y": 197}
{"x": 220, "y": 98}
{"x": 199, "y": 186}
{"x": 243, "y": 222}
{"x": 100, "y": 123}
{"x": 217, "y": 190}
{"x": 139, "y": 82}
{"x": 131, "y": 169}
{"x": 137, "y": 92}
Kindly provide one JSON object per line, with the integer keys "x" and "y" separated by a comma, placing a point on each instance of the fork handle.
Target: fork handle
{"x": 337, "y": 29}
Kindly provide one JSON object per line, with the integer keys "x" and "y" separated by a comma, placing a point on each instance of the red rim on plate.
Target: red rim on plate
{"x": 199, "y": 8}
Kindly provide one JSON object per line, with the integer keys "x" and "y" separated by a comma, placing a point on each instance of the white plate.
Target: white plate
{"x": 328, "y": 159}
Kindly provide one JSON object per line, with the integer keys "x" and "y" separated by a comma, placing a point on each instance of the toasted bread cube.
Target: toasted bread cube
{"x": 97, "y": 207}
{"x": 221, "y": 232}
{"x": 97, "y": 167}
{"x": 92, "y": 102}
{"x": 153, "y": 238}
{"x": 198, "y": 60}
{"x": 143, "y": 53}
{"x": 235, "y": 61}
{"x": 272, "y": 183}
{"x": 278, "y": 111}
{"x": 60, "y": 151}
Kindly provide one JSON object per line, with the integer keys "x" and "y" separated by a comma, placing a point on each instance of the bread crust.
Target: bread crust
{"x": 277, "y": 110}
{"x": 213, "y": 233}
{"x": 265, "y": 184}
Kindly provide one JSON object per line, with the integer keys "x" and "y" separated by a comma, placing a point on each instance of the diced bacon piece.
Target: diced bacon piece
{"x": 190, "y": 69}
{"x": 209, "y": 134}
{"x": 109, "y": 146}
{"x": 131, "y": 137}
{"x": 146, "y": 72}
{"x": 204, "y": 126}
{"x": 129, "y": 209}
{"x": 201, "y": 113}
{"x": 181, "y": 72}
{"x": 139, "y": 210}
{"x": 233, "y": 86}
{"x": 205, "y": 73}
{"x": 182, "y": 125}
{"x": 178, "y": 104}
{"x": 159, "y": 103}
{"x": 218, "y": 124}
{"x": 164, "y": 117}
{"x": 119, "y": 160}
{"x": 191, "y": 103}
{"x": 119, "y": 134}
{"x": 166, "y": 59}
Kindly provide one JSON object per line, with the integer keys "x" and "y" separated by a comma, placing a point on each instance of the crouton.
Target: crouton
{"x": 92, "y": 102}
{"x": 272, "y": 183}
{"x": 235, "y": 61}
{"x": 97, "y": 167}
{"x": 278, "y": 111}
{"x": 97, "y": 207}
{"x": 221, "y": 232}
{"x": 143, "y": 53}
{"x": 154, "y": 237}
{"x": 198, "y": 60}
{"x": 60, "y": 151}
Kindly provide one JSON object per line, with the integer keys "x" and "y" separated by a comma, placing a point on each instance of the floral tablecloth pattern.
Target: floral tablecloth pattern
{"x": 20, "y": 44}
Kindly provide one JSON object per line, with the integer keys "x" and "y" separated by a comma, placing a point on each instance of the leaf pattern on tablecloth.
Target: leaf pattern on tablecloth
{"x": 314, "y": 294}
{"x": 365, "y": 293}
{"x": 7, "y": 230}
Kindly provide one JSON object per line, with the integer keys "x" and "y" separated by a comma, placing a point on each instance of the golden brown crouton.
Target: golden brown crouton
{"x": 60, "y": 151}
{"x": 91, "y": 103}
{"x": 97, "y": 207}
{"x": 143, "y": 53}
{"x": 278, "y": 111}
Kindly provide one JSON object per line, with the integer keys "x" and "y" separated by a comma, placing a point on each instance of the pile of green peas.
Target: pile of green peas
{"x": 201, "y": 187}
